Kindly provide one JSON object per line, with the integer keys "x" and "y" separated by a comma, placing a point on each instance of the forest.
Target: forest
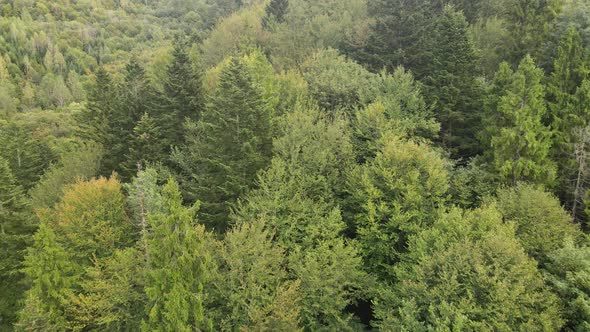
{"x": 294, "y": 165}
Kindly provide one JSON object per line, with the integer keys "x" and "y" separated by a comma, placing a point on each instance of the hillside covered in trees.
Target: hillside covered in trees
{"x": 294, "y": 165}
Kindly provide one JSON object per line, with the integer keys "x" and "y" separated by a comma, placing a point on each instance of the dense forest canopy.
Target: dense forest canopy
{"x": 294, "y": 165}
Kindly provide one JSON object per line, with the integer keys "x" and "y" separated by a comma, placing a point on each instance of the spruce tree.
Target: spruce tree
{"x": 521, "y": 147}
{"x": 133, "y": 104}
{"x": 182, "y": 97}
{"x": 96, "y": 118}
{"x": 27, "y": 156}
{"x": 16, "y": 229}
{"x": 227, "y": 147}
{"x": 451, "y": 85}
{"x": 52, "y": 275}
{"x": 145, "y": 146}
{"x": 178, "y": 267}
{"x": 568, "y": 103}
{"x": 275, "y": 13}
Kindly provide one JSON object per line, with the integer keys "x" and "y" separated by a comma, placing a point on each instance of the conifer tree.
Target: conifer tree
{"x": 133, "y": 104}
{"x": 27, "y": 156}
{"x": 275, "y": 12}
{"x": 568, "y": 102}
{"x": 96, "y": 118}
{"x": 399, "y": 35}
{"x": 53, "y": 275}
{"x": 227, "y": 147}
{"x": 16, "y": 228}
{"x": 521, "y": 147}
{"x": 183, "y": 97}
{"x": 178, "y": 267}
{"x": 451, "y": 84}
{"x": 145, "y": 146}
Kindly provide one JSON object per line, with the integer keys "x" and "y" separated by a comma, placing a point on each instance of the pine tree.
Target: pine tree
{"x": 27, "y": 156}
{"x": 53, "y": 275}
{"x": 451, "y": 84}
{"x": 521, "y": 147}
{"x": 399, "y": 36}
{"x": 178, "y": 267}
{"x": 227, "y": 147}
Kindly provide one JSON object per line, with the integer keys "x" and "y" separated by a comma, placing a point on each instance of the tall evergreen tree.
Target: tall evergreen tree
{"x": 145, "y": 146}
{"x": 178, "y": 267}
{"x": 27, "y": 156}
{"x": 275, "y": 13}
{"x": 96, "y": 118}
{"x": 16, "y": 229}
{"x": 521, "y": 147}
{"x": 399, "y": 36}
{"x": 570, "y": 115}
{"x": 227, "y": 147}
{"x": 451, "y": 84}
{"x": 134, "y": 101}
{"x": 183, "y": 97}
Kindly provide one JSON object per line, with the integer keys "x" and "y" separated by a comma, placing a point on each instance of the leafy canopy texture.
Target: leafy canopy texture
{"x": 468, "y": 272}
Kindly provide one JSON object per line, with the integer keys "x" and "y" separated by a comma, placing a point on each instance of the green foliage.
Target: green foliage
{"x": 568, "y": 270}
{"x": 398, "y": 194}
{"x": 297, "y": 199}
{"x": 334, "y": 81}
{"x": 451, "y": 84}
{"x": 183, "y": 95}
{"x": 540, "y": 222}
{"x": 146, "y": 145}
{"x": 521, "y": 147}
{"x": 252, "y": 290}
{"x": 73, "y": 264}
{"x": 27, "y": 155}
{"x": 178, "y": 267}
{"x": 80, "y": 164}
{"x": 468, "y": 272}
{"x": 16, "y": 228}
{"x": 275, "y": 13}
{"x": 403, "y": 102}
{"x": 311, "y": 25}
{"x": 228, "y": 146}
